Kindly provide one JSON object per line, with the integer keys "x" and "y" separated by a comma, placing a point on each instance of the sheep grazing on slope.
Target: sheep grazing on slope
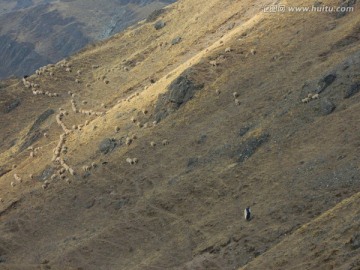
{"x": 316, "y": 96}
{"x": 165, "y": 142}
{"x": 86, "y": 168}
{"x": 213, "y": 63}
{"x": 46, "y": 184}
{"x": 129, "y": 160}
{"x": 235, "y": 94}
{"x": 71, "y": 171}
{"x": 228, "y": 49}
{"x": 305, "y": 100}
{"x": 128, "y": 141}
{"x": 153, "y": 144}
{"x": 237, "y": 102}
{"x": 17, "y": 178}
{"x": 217, "y": 91}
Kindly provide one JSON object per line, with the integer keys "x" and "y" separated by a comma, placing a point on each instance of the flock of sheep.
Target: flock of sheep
{"x": 61, "y": 148}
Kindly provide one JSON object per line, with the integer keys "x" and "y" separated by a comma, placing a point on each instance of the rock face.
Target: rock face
{"x": 352, "y": 90}
{"x": 36, "y": 33}
{"x": 180, "y": 91}
{"x": 159, "y": 24}
{"x": 107, "y": 145}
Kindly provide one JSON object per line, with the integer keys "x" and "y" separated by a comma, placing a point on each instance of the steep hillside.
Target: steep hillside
{"x": 142, "y": 151}
{"x": 35, "y": 33}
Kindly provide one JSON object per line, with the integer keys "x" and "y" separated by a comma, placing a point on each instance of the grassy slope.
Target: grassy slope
{"x": 161, "y": 213}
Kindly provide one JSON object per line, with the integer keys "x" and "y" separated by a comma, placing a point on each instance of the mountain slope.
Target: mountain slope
{"x": 35, "y": 33}
{"x": 180, "y": 206}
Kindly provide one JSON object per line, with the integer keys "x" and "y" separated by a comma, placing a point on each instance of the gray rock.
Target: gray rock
{"x": 35, "y": 133}
{"x": 352, "y": 90}
{"x": 107, "y": 145}
{"x": 345, "y": 4}
{"x": 326, "y": 106}
{"x": 159, "y": 25}
{"x": 12, "y": 105}
{"x": 154, "y": 15}
{"x": 202, "y": 139}
{"x": 249, "y": 147}
{"x": 355, "y": 242}
{"x": 46, "y": 174}
{"x": 121, "y": 203}
{"x": 192, "y": 162}
{"x": 180, "y": 91}
{"x": 325, "y": 82}
{"x": 243, "y": 131}
{"x": 176, "y": 41}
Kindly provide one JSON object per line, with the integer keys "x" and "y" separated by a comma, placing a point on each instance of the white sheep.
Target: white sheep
{"x": 253, "y": 51}
{"x": 13, "y": 184}
{"x": 71, "y": 171}
{"x": 153, "y": 144}
{"x": 165, "y": 142}
{"x": 94, "y": 165}
{"x": 237, "y": 102}
{"x": 46, "y": 184}
{"x": 17, "y": 178}
{"x": 228, "y": 49}
{"x": 135, "y": 161}
{"x": 86, "y": 168}
{"x": 217, "y": 91}
{"x": 316, "y": 96}
{"x": 305, "y": 100}
{"x": 129, "y": 160}
{"x": 32, "y": 154}
{"x": 133, "y": 119}
{"x": 128, "y": 141}
{"x": 213, "y": 63}
{"x": 235, "y": 94}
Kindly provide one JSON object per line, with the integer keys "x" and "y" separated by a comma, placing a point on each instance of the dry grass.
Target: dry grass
{"x": 181, "y": 206}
